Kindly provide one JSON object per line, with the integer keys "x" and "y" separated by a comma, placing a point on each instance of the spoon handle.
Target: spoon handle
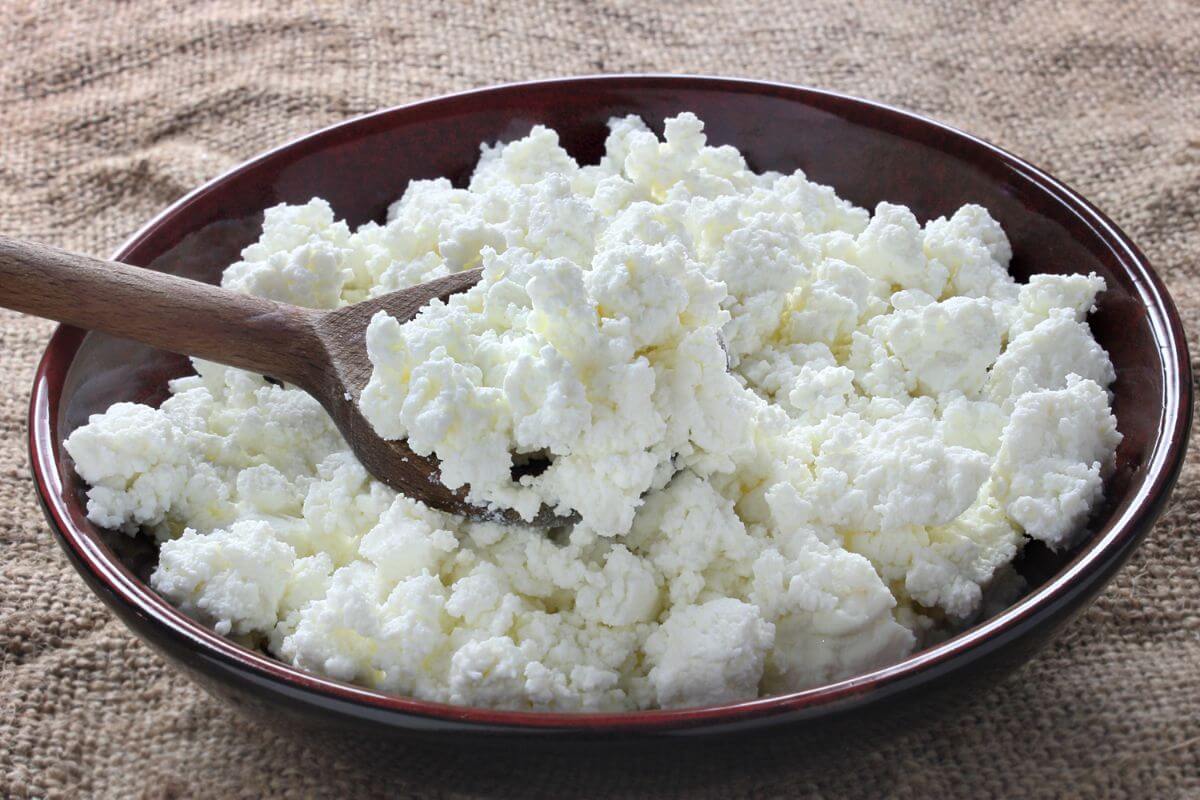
{"x": 161, "y": 310}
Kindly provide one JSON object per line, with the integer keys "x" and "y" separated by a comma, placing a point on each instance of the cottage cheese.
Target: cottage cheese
{"x": 800, "y": 437}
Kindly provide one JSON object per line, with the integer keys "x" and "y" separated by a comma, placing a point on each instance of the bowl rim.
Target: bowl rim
{"x": 1092, "y": 559}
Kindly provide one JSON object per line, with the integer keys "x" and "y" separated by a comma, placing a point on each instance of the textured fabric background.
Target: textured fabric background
{"x": 109, "y": 111}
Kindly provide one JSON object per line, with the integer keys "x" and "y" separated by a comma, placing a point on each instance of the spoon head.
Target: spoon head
{"x": 339, "y": 383}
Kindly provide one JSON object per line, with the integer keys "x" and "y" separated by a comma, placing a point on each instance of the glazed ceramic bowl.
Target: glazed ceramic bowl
{"x": 869, "y": 152}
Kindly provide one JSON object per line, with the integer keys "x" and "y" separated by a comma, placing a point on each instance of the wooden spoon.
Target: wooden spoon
{"x": 322, "y": 352}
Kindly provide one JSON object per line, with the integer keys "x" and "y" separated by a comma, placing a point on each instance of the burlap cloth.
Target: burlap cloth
{"x": 109, "y": 111}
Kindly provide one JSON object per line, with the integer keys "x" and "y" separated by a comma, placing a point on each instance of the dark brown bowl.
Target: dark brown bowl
{"x": 869, "y": 152}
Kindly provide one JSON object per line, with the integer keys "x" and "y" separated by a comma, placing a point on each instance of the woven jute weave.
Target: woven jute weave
{"x": 111, "y": 110}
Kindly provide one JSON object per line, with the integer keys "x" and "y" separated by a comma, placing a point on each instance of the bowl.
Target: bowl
{"x": 867, "y": 151}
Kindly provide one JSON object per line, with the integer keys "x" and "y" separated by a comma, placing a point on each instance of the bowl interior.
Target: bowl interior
{"x": 867, "y": 153}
